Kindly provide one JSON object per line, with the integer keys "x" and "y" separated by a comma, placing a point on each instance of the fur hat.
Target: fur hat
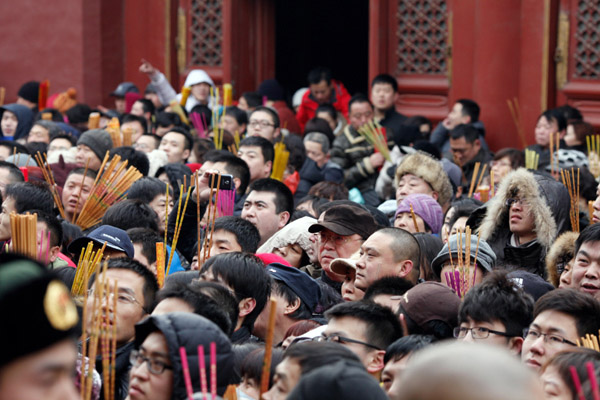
{"x": 425, "y": 207}
{"x": 428, "y": 169}
{"x": 562, "y": 251}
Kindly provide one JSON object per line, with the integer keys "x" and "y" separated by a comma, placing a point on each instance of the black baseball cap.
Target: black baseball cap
{"x": 346, "y": 220}
{"x": 115, "y": 238}
{"x": 299, "y": 281}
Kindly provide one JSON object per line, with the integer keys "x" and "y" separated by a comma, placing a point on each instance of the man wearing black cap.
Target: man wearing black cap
{"x": 38, "y": 352}
{"x": 297, "y": 295}
{"x": 119, "y": 95}
{"x": 339, "y": 235}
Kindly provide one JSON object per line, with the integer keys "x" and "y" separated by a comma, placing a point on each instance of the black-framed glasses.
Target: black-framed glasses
{"x": 478, "y": 332}
{"x": 550, "y": 338}
{"x": 155, "y": 367}
{"x": 515, "y": 200}
{"x": 122, "y": 298}
{"x": 344, "y": 340}
{"x": 262, "y": 124}
{"x": 337, "y": 240}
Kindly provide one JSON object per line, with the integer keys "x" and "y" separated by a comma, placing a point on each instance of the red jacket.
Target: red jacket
{"x": 308, "y": 107}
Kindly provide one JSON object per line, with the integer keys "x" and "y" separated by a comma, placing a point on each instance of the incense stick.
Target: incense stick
{"x": 576, "y": 382}
{"x": 160, "y": 264}
{"x": 280, "y": 161}
{"x": 266, "y": 369}
{"x": 213, "y": 370}
{"x": 178, "y": 224}
{"x": 186, "y": 373}
{"x": 414, "y": 218}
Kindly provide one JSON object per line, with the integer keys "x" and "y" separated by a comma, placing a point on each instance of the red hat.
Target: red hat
{"x": 269, "y": 258}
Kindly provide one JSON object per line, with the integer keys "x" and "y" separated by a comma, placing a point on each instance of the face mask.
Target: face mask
{"x": 242, "y": 396}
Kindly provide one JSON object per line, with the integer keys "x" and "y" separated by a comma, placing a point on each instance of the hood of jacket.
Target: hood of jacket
{"x": 296, "y": 232}
{"x": 549, "y": 202}
{"x": 190, "y": 331}
{"x": 562, "y": 251}
{"x": 197, "y": 76}
{"x": 24, "y": 116}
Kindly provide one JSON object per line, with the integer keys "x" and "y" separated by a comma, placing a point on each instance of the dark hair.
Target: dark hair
{"x": 582, "y": 129}
{"x": 222, "y": 296}
{"x": 315, "y": 202}
{"x": 498, "y": 298}
{"x": 246, "y": 275}
{"x": 240, "y": 115}
{"x": 554, "y": 116}
{"x": 418, "y": 120}
{"x": 570, "y": 113}
{"x": 14, "y": 147}
{"x": 312, "y": 355}
{"x": 90, "y": 173}
{"x": 166, "y": 119}
{"x": 404, "y": 247}
{"x": 463, "y": 208}
{"x": 386, "y": 79}
{"x": 295, "y": 146}
{"x": 516, "y": 157}
{"x": 329, "y": 296}
{"x": 14, "y": 172}
{"x": 129, "y": 214}
{"x": 135, "y": 118}
{"x": 233, "y": 165}
{"x": 301, "y": 327}
{"x": 52, "y": 128}
{"x": 175, "y": 173}
{"x": 590, "y": 234}
{"x": 70, "y": 233}
{"x": 284, "y": 199}
{"x": 319, "y": 125}
{"x": 583, "y": 308}
{"x": 470, "y": 108}
{"x": 388, "y": 285}
{"x": 430, "y": 246}
{"x": 468, "y": 131}
{"x": 358, "y": 98}
{"x": 134, "y": 158}
{"x": 587, "y": 185}
{"x": 66, "y": 136}
{"x": 437, "y": 328}
{"x": 35, "y": 147}
{"x": 252, "y": 364}
{"x": 383, "y": 326}
{"x": 79, "y": 113}
{"x": 53, "y": 224}
{"x": 268, "y": 110}
{"x": 254, "y": 99}
{"x": 329, "y": 191}
{"x": 577, "y": 358}
{"x": 199, "y": 302}
{"x": 266, "y": 147}
{"x": 203, "y": 146}
{"x": 147, "y": 105}
{"x": 245, "y": 233}
{"x": 405, "y": 346}
{"x": 150, "y": 284}
{"x": 290, "y": 297}
{"x": 188, "y": 138}
{"x": 56, "y": 115}
{"x": 203, "y": 110}
{"x": 146, "y": 189}
{"x": 147, "y": 238}
{"x": 318, "y": 74}
{"x": 327, "y": 108}
{"x": 30, "y": 196}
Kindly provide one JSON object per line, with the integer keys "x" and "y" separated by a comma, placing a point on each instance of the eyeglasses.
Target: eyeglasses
{"x": 549, "y": 338}
{"x": 478, "y": 332}
{"x": 343, "y": 340}
{"x": 515, "y": 200}
{"x": 263, "y": 123}
{"x": 122, "y": 298}
{"x": 337, "y": 240}
{"x": 154, "y": 366}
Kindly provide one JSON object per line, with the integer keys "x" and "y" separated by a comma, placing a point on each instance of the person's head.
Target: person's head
{"x": 249, "y": 101}
{"x": 427, "y": 212}
{"x": 560, "y": 318}
{"x": 360, "y": 111}
{"x": 92, "y": 147}
{"x": 28, "y": 94}
{"x": 300, "y": 359}
{"x": 60, "y": 142}
{"x": 172, "y": 174}
{"x": 422, "y": 122}
{"x": 180, "y": 297}
{"x": 129, "y": 214}
{"x": 396, "y": 359}
{"x": 137, "y": 124}
{"x": 117, "y": 242}
{"x": 550, "y": 122}
{"x": 320, "y": 84}
{"x": 165, "y": 121}
{"x": 317, "y": 147}
{"x": 258, "y": 153}
{"x": 156, "y": 367}
{"x": 506, "y": 160}
{"x": 15, "y": 120}
{"x": 227, "y": 163}
{"x": 231, "y": 234}
{"x": 245, "y": 275}
{"x": 388, "y": 252}
{"x": 464, "y": 143}
{"x": 329, "y": 191}
{"x": 364, "y": 327}
{"x": 557, "y": 374}
{"x": 384, "y": 89}
{"x": 234, "y": 120}
{"x": 494, "y": 374}
{"x": 143, "y": 108}
{"x": 421, "y": 173}
{"x": 147, "y": 142}
{"x": 153, "y": 192}
{"x": 387, "y": 291}
{"x": 268, "y": 206}
{"x": 144, "y": 244}
{"x": 251, "y": 370}
{"x": 340, "y": 234}
{"x": 495, "y": 312}
{"x": 585, "y": 275}
{"x": 136, "y": 286}
{"x": 430, "y": 246}
{"x": 49, "y": 236}
{"x": 134, "y": 158}
{"x": 328, "y": 113}
{"x": 43, "y": 131}
{"x": 577, "y": 131}
{"x": 20, "y": 197}
{"x": 177, "y": 143}
{"x": 264, "y": 122}
{"x": 9, "y": 173}
{"x": 464, "y": 111}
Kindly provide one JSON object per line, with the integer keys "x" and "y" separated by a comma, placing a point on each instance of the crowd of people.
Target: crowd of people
{"x": 421, "y": 265}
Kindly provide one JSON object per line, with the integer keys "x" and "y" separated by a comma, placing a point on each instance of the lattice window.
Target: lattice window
{"x": 422, "y": 36}
{"x": 206, "y": 32}
{"x": 587, "y": 49}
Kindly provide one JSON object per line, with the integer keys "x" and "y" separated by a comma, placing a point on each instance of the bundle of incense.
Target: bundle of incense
{"x": 591, "y": 211}
{"x": 226, "y": 203}
{"x": 185, "y": 93}
{"x": 177, "y": 109}
{"x": 218, "y": 138}
{"x": 227, "y": 95}
{"x": 568, "y": 179}
{"x": 532, "y": 159}
{"x": 23, "y": 228}
{"x": 476, "y": 178}
{"x": 160, "y": 264}
{"x": 94, "y": 120}
{"x": 199, "y": 124}
{"x": 515, "y": 112}
{"x": 280, "y": 162}
{"x": 211, "y": 216}
{"x": 554, "y": 137}
{"x": 266, "y": 369}
{"x": 178, "y": 225}
{"x": 459, "y": 278}
{"x": 43, "y": 94}
{"x": 47, "y": 116}
{"x": 414, "y": 218}
{"x": 49, "y": 178}
{"x": 593, "y": 144}
{"x": 2, "y": 95}
{"x": 589, "y": 341}
{"x": 87, "y": 265}
{"x": 128, "y": 136}
{"x": 373, "y": 133}
{"x": 109, "y": 188}
{"x": 114, "y": 128}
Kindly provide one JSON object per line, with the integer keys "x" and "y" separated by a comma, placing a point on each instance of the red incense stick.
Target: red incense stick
{"x": 213, "y": 370}
{"x": 202, "y": 365}
{"x": 592, "y": 377}
{"x": 576, "y": 382}
{"x": 186, "y": 373}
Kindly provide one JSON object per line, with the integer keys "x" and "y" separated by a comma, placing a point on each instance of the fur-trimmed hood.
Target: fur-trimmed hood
{"x": 430, "y": 170}
{"x": 549, "y": 201}
{"x": 562, "y": 250}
